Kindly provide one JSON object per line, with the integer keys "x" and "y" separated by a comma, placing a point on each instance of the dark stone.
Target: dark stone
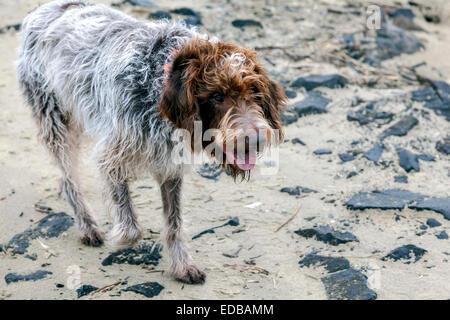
{"x": 436, "y": 97}
{"x": 426, "y": 157}
{"x": 209, "y": 171}
{"x": 374, "y": 154}
{"x": 408, "y": 160}
{"x": 32, "y": 257}
{"x": 59, "y": 285}
{"x": 403, "y": 12}
{"x": 15, "y": 27}
{"x": 331, "y": 264}
{"x": 393, "y": 41}
{"x": 388, "y": 199}
{"x": 290, "y": 94}
{"x": 369, "y": 114}
{"x": 148, "y": 289}
{"x": 348, "y": 284}
{"x": 401, "y": 179}
{"x": 140, "y": 3}
{"x": 322, "y": 151}
{"x": 84, "y": 290}
{"x": 160, "y": 14}
{"x": 327, "y": 235}
{"x": 345, "y": 157}
{"x": 443, "y": 146}
{"x": 193, "y": 21}
{"x": 314, "y": 81}
{"x": 298, "y": 141}
{"x": 38, "y": 275}
{"x": 298, "y": 190}
{"x": 433, "y": 223}
{"x": 405, "y": 252}
{"x": 232, "y": 222}
{"x": 351, "y": 174}
{"x": 144, "y": 253}
{"x": 313, "y": 103}
{"x": 401, "y": 128}
{"x": 423, "y": 227}
{"x": 51, "y": 226}
{"x": 442, "y": 236}
{"x": 439, "y": 205}
{"x": 241, "y": 23}
{"x": 185, "y": 12}
{"x": 288, "y": 117}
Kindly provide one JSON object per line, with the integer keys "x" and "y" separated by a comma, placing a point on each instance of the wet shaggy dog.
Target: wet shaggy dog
{"x": 89, "y": 69}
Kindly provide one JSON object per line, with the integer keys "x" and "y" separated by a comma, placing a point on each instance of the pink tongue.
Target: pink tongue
{"x": 247, "y": 164}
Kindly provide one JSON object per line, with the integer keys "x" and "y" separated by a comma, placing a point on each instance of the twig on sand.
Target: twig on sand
{"x": 43, "y": 209}
{"x": 290, "y": 219}
{"x": 247, "y": 268}
{"x": 108, "y": 287}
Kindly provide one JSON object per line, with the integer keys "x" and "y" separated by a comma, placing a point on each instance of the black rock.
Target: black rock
{"x": 193, "y": 21}
{"x": 440, "y": 205}
{"x": 209, "y": 171}
{"x": 288, "y": 117}
{"x": 392, "y": 41}
{"x": 388, "y": 199}
{"x": 401, "y": 179}
{"x": 313, "y": 103}
{"x": 327, "y": 235}
{"x": 351, "y": 174}
{"x": 84, "y": 290}
{"x": 374, "y": 154}
{"x": 51, "y": 226}
{"x": 331, "y": 264}
{"x": 232, "y": 222}
{"x": 443, "y": 146}
{"x": 433, "y": 223}
{"x": 59, "y": 285}
{"x": 348, "y": 284}
{"x": 408, "y": 160}
{"x": 15, "y": 27}
{"x": 160, "y": 14}
{"x": 405, "y": 252}
{"x": 144, "y": 253}
{"x": 241, "y": 23}
{"x": 426, "y": 157}
{"x": 436, "y": 97}
{"x": 369, "y": 114}
{"x": 148, "y": 289}
{"x": 298, "y": 190}
{"x": 403, "y": 12}
{"x": 322, "y": 151}
{"x": 443, "y": 235}
{"x": 314, "y": 81}
{"x": 298, "y": 141}
{"x": 140, "y": 3}
{"x": 401, "y": 128}
{"x": 186, "y": 12}
{"x": 290, "y": 94}
{"x": 38, "y": 275}
{"x": 345, "y": 157}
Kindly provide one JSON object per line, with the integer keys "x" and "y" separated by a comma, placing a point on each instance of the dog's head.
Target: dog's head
{"x": 223, "y": 86}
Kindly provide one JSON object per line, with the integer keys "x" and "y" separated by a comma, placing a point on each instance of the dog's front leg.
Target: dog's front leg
{"x": 182, "y": 267}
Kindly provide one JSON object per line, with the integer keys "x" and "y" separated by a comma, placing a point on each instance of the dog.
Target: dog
{"x": 89, "y": 69}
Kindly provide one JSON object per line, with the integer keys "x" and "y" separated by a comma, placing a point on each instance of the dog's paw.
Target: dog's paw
{"x": 119, "y": 238}
{"x": 191, "y": 274}
{"x": 93, "y": 238}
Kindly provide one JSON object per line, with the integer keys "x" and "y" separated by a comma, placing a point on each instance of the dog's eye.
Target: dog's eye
{"x": 218, "y": 97}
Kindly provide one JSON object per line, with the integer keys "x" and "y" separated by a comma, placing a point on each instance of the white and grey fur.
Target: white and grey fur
{"x": 90, "y": 69}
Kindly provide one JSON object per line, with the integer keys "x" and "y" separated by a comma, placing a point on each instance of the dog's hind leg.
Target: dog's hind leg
{"x": 182, "y": 267}
{"x": 61, "y": 138}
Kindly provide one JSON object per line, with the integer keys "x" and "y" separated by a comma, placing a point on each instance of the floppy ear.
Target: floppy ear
{"x": 178, "y": 101}
{"x": 274, "y": 103}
